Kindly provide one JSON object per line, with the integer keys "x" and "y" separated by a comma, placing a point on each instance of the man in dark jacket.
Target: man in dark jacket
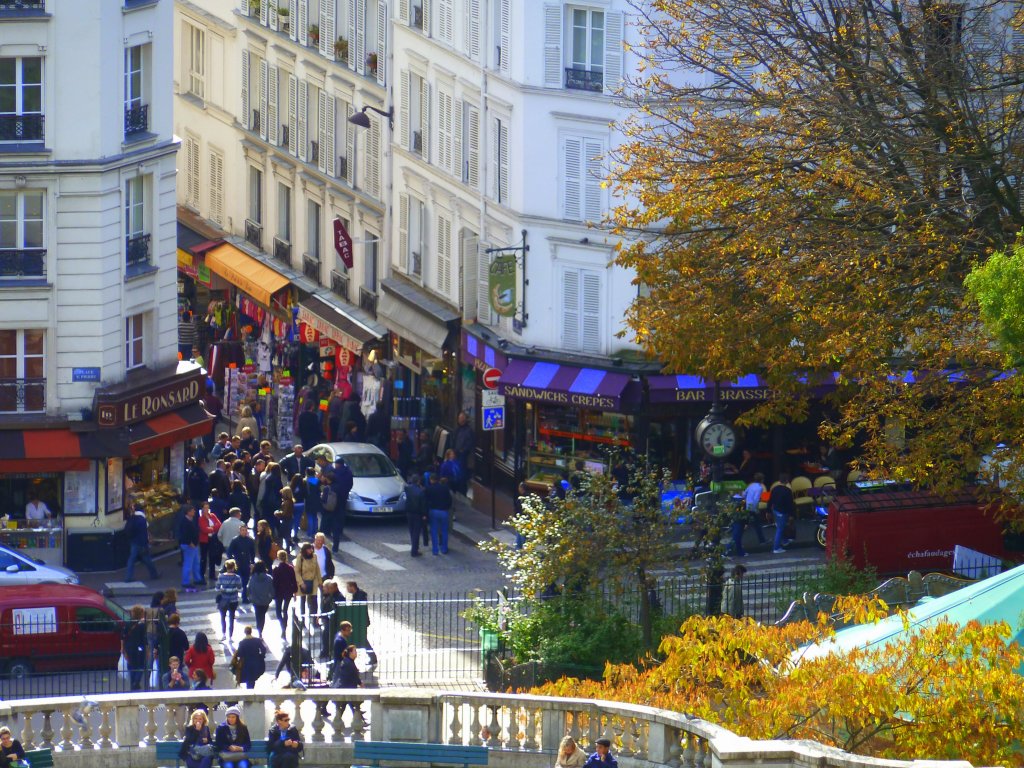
{"x": 415, "y": 511}
{"x": 137, "y": 529}
{"x": 295, "y": 463}
{"x": 405, "y": 452}
{"x": 782, "y": 505}
{"x": 242, "y": 550}
{"x": 197, "y": 484}
{"x": 360, "y": 601}
{"x": 439, "y": 505}
{"x": 309, "y": 426}
{"x": 188, "y": 540}
{"x": 219, "y": 480}
{"x": 463, "y": 441}
{"x": 341, "y": 484}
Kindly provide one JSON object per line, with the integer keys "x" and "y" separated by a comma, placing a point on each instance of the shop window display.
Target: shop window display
{"x": 572, "y": 440}
{"x": 42, "y": 536}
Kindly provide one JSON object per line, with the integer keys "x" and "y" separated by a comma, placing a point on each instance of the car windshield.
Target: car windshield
{"x": 369, "y": 465}
{"x": 116, "y": 609}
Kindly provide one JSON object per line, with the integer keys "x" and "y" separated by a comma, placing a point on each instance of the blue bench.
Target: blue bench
{"x": 169, "y": 750}
{"x": 373, "y": 752}
{"x": 40, "y": 758}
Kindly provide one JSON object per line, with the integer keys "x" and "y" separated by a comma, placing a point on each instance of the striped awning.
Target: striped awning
{"x": 56, "y": 450}
{"x": 168, "y": 429}
{"x": 564, "y": 384}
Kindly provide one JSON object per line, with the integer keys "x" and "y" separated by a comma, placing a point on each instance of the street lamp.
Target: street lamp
{"x": 361, "y": 119}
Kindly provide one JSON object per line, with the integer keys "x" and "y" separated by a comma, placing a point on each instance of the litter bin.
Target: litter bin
{"x": 358, "y": 615}
{"x": 488, "y": 644}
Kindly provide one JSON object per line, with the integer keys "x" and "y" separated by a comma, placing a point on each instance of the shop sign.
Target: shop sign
{"x": 598, "y": 402}
{"x": 186, "y": 263}
{"x": 204, "y": 276}
{"x": 114, "y": 411}
{"x": 343, "y": 243}
{"x": 501, "y": 285}
{"x": 115, "y": 484}
{"x": 323, "y": 327}
{"x": 344, "y": 358}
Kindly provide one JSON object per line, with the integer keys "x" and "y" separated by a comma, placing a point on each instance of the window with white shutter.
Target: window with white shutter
{"x": 446, "y": 20}
{"x": 273, "y": 121}
{"x": 499, "y": 160}
{"x": 321, "y": 131}
{"x": 404, "y": 112}
{"x": 445, "y": 135}
{"x": 245, "y": 117}
{"x": 403, "y": 231}
{"x": 425, "y": 119}
{"x": 471, "y": 146}
{"x": 582, "y": 174}
{"x": 373, "y": 142}
{"x": 328, "y": 147}
{"x": 302, "y": 114}
{"x": 382, "y": 42}
{"x": 483, "y": 296}
{"x": 293, "y": 115}
{"x": 553, "y": 46}
{"x": 303, "y": 22}
{"x": 217, "y": 188}
{"x": 417, "y": 236}
{"x": 471, "y": 29}
{"x": 350, "y": 148}
{"x": 613, "y": 52}
{"x": 293, "y": 19}
{"x": 469, "y": 252}
{"x": 581, "y": 310}
{"x": 443, "y": 271}
{"x": 504, "y": 29}
{"x": 192, "y": 180}
{"x": 457, "y": 170}
{"x": 360, "y": 35}
{"x": 343, "y": 128}
{"x": 328, "y": 27}
{"x": 428, "y": 12}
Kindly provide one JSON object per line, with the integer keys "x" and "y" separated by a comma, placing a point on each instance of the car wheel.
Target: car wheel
{"x": 19, "y": 669}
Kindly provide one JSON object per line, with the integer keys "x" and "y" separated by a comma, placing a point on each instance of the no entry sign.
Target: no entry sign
{"x": 490, "y": 378}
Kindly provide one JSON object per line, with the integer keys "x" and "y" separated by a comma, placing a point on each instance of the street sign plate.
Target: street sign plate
{"x": 489, "y": 398}
{"x": 490, "y": 378}
{"x": 493, "y": 418}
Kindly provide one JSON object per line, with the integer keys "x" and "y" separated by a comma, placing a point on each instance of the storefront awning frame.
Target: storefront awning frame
{"x": 248, "y": 274}
{"x": 170, "y": 428}
{"x": 564, "y": 385}
{"x": 333, "y": 322}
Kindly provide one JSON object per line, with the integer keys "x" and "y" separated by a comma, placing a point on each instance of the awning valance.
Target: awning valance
{"x": 564, "y": 385}
{"x": 56, "y": 450}
{"x": 169, "y": 428}
{"x": 335, "y": 323}
{"x": 242, "y": 270}
{"x": 408, "y": 322}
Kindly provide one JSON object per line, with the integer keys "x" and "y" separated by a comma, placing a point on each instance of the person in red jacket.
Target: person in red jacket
{"x": 209, "y": 545}
{"x": 200, "y": 656}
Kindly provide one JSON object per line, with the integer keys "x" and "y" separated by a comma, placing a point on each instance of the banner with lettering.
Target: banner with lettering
{"x": 501, "y": 285}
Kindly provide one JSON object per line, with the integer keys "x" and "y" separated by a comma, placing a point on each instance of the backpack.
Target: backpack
{"x": 330, "y": 499}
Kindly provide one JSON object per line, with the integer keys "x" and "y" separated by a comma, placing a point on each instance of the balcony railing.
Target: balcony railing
{"x": 415, "y": 263}
{"x": 136, "y": 119}
{"x": 417, "y": 17}
{"x": 22, "y": 262}
{"x": 23, "y": 5}
{"x": 254, "y": 232}
{"x": 282, "y": 249}
{"x": 311, "y": 267}
{"x": 21, "y": 127}
{"x": 584, "y": 79}
{"x": 342, "y": 167}
{"x": 254, "y": 124}
{"x": 417, "y": 141}
{"x": 136, "y": 251}
{"x": 368, "y": 301}
{"x": 314, "y": 153}
{"x": 22, "y": 395}
{"x": 284, "y": 134}
{"x": 518, "y": 730}
{"x": 339, "y": 284}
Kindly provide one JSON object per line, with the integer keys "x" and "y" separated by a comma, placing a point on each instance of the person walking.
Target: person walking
{"x": 240, "y": 498}
{"x": 415, "y": 512}
{"x": 209, "y": 544}
{"x": 309, "y": 425}
{"x": 197, "y": 746}
{"x": 261, "y": 592}
{"x": 732, "y": 593}
{"x": 177, "y": 640}
{"x": 200, "y": 658}
{"x": 232, "y": 736}
{"x": 230, "y": 527}
{"x": 271, "y": 489}
{"x": 342, "y": 482}
{"x": 323, "y": 557}
{"x": 251, "y": 658}
{"x": 242, "y": 550}
{"x": 286, "y": 517}
{"x": 439, "y": 504}
{"x": 188, "y": 541}
{"x": 752, "y": 504}
{"x": 284, "y": 742}
{"x": 197, "y": 484}
{"x": 346, "y": 674}
{"x": 285, "y": 587}
{"x": 312, "y": 493}
{"x": 359, "y": 600}
{"x": 137, "y": 530}
{"x": 265, "y": 544}
{"x": 330, "y": 596}
{"x": 307, "y": 575}
{"x": 229, "y": 586}
{"x": 464, "y": 442}
{"x": 782, "y": 505}
{"x": 133, "y": 646}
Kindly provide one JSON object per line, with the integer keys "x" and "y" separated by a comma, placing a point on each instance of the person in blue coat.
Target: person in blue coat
{"x": 284, "y": 742}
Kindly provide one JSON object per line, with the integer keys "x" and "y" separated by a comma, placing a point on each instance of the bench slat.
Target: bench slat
{"x": 454, "y": 754}
{"x": 168, "y": 750}
{"x": 39, "y": 758}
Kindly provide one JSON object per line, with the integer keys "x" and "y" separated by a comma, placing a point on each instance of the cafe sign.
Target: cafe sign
{"x": 115, "y": 410}
{"x": 501, "y": 285}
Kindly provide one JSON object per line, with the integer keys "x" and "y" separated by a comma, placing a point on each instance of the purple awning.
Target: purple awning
{"x": 481, "y": 356}
{"x": 564, "y": 385}
{"x": 694, "y": 389}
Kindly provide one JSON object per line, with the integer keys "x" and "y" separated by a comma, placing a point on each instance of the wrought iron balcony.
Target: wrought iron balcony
{"x": 22, "y": 6}
{"x": 21, "y": 127}
{"x": 342, "y": 167}
{"x": 282, "y": 248}
{"x": 136, "y": 119}
{"x": 311, "y": 267}
{"x": 415, "y": 263}
{"x": 339, "y": 284}
{"x": 368, "y": 301}
{"x": 584, "y": 79}
{"x": 22, "y": 262}
{"x": 284, "y": 134}
{"x": 254, "y": 124}
{"x": 22, "y": 395}
{"x": 136, "y": 251}
{"x": 417, "y": 17}
{"x": 417, "y": 141}
{"x": 254, "y": 233}
{"x": 314, "y": 153}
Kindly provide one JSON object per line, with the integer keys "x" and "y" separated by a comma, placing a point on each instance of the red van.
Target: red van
{"x": 58, "y": 628}
{"x": 902, "y": 531}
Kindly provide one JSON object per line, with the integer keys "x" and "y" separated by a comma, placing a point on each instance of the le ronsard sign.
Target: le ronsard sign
{"x": 115, "y": 410}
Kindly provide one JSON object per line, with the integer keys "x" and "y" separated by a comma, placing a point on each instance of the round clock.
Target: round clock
{"x": 716, "y": 436}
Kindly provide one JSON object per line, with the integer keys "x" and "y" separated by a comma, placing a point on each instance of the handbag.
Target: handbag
{"x": 154, "y": 675}
{"x": 274, "y": 549}
{"x": 123, "y": 673}
{"x": 303, "y": 522}
{"x": 307, "y": 586}
{"x": 233, "y": 757}
{"x": 200, "y": 751}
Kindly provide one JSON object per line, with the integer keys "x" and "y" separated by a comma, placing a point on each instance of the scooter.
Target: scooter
{"x": 821, "y": 510}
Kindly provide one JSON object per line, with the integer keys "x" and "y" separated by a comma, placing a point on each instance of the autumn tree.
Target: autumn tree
{"x": 940, "y": 692}
{"x": 807, "y": 183}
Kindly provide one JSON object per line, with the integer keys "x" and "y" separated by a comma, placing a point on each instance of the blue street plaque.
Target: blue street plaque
{"x": 493, "y": 418}
{"x": 85, "y": 374}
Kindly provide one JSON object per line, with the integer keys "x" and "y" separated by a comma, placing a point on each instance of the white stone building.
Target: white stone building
{"x": 87, "y": 239}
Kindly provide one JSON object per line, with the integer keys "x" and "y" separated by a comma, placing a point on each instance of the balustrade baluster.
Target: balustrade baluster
{"x": 318, "y": 722}
{"x": 358, "y": 724}
{"x": 574, "y": 730}
{"x": 27, "y": 735}
{"x": 150, "y": 739}
{"x": 455, "y": 728}
{"x": 105, "y": 729}
{"x": 65, "y": 730}
{"x": 474, "y": 727}
{"x": 532, "y": 716}
{"x": 85, "y": 733}
{"x": 513, "y": 727}
{"x": 702, "y": 752}
{"x": 688, "y": 750}
{"x": 47, "y": 732}
{"x": 641, "y": 739}
{"x": 594, "y": 727}
{"x": 675, "y": 749}
{"x": 494, "y": 740}
{"x": 297, "y": 717}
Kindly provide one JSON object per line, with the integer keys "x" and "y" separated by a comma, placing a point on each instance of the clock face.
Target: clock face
{"x": 718, "y": 440}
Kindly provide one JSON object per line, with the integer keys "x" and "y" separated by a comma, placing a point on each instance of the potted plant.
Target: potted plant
{"x": 341, "y": 49}
{"x": 371, "y": 62}
{"x": 314, "y": 34}
{"x": 254, "y": 7}
{"x": 282, "y": 17}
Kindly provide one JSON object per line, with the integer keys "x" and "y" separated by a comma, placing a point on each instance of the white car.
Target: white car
{"x": 16, "y": 568}
{"x": 377, "y": 486}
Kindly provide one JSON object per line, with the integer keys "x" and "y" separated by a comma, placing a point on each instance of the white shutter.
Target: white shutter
{"x": 403, "y": 110}
{"x": 572, "y": 178}
{"x": 502, "y": 162}
{"x": 443, "y": 275}
{"x": 427, "y": 13}
{"x": 373, "y": 160}
{"x": 403, "y": 231}
{"x": 473, "y": 147}
{"x": 445, "y": 20}
{"x": 505, "y": 34}
{"x": 361, "y": 36}
{"x": 273, "y": 122}
{"x": 293, "y": 115}
{"x": 264, "y": 11}
{"x": 444, "y": 130}
{"x": 293, "y": 19}
{"x": 321, "y": 130}
{"x": 425, "y": 117}
{"x": 471, "y": 29}
{"x": 457, "y": 169}
{"x": 216, "y": 188}
{"x": 328, "y": 32}
{"x": 571, "y": 309}
{"x": 301, "y": 113}
{"x": 350, "y": 149}
{"x": 553, "y": 68}
{"x": 264, "y": 96}
{"x": 613, "y": 51}
{"x": 382, "y": 42}
{"x": 191, "y": 172}
{"x": 351, "y": 34}
{"x": 593, "y": 194}
{"x": 243, "y": 7}
{"x": 403, "y": 11}
{"x": 272, "y": 14}
{"x": 246, "y": 117}
{"x": 470, "y": 246}
{"x": 483, "y": 295}
{"x": 303, "y": 22}
{"x": 590, "y": 312}
{"x": 328, "y": 149}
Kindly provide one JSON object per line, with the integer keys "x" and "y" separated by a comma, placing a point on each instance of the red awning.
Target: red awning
{"x": 169, "y": 428}
{"x": 55, "y": 450}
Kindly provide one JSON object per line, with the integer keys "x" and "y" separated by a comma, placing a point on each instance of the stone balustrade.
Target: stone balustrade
{"x": 120, "y": 731}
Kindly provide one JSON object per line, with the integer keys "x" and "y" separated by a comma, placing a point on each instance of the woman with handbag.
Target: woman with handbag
{"x": 232, "y": 740}
{"x": 200, "y": 657}
{"x": 308, "y": 577}
{"x": 197, "y": 747}
{"x": 261, "y": 591}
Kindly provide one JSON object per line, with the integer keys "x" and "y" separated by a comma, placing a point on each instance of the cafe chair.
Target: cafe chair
{"x": 824, "y": 480}
{"x": 803, "y": 500}
{"x": 854, "y": 476}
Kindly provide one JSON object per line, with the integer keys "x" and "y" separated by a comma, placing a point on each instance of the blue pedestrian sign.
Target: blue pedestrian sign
{"x": 494, "y": 418}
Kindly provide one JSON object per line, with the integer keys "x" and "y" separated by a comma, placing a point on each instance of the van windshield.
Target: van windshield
{"x": 116, "y": 609}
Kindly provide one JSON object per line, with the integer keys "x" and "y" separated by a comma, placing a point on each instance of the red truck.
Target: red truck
{"x": 896, "y": 532}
